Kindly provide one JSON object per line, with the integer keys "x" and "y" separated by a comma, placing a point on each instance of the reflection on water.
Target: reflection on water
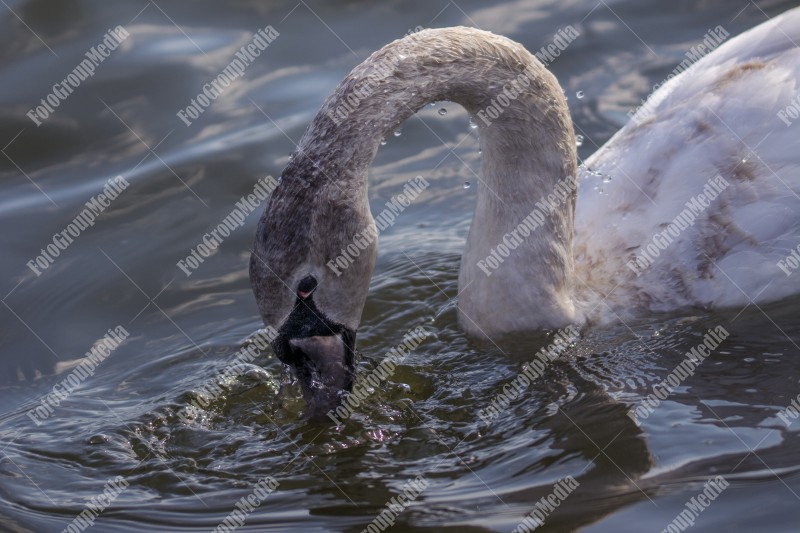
{"x": 146, "y": 413}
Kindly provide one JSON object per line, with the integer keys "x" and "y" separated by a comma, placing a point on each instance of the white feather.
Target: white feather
{"x": 719, "y": 117}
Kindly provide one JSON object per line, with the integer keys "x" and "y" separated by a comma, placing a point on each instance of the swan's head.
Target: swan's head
{"x": 307, "y": 286}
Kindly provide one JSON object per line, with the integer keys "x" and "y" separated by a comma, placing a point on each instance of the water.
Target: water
{"x": 187, "y": 474}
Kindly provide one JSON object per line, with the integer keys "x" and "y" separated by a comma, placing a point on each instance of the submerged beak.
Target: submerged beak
{"x": 320, "y": 352}
{"x": 324, "y": 367}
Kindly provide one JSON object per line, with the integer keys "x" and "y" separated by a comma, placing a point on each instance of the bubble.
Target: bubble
{"x": 383, "y": 142}
{"x": 443, "y": 111}
{"x": 579, "y": 94}
{"x": 467, "y": 185}
{"x": 472, "y": 124}
{"x": 579, "y": 140}
{"x": 397, "y": 133}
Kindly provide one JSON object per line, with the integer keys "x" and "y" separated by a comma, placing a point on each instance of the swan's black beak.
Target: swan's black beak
{"x": 325, "y": 370}
{"x": 319, "y": 351}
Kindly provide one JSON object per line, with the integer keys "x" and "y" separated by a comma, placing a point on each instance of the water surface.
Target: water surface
{"x": 188, "y": 475}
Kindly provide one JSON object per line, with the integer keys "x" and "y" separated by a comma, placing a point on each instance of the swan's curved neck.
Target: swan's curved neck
{"x": 506, "y": 284}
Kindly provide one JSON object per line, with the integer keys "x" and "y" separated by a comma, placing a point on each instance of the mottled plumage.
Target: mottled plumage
{"x": 718, "y": 118}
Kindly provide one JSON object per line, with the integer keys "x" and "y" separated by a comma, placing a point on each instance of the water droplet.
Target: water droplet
{"x": 606, "y": 178}
{"x": 99, "y": 439}
{"x": 280, "y": 179}
{"x": 467, "y": 184}
{"x": 383, "y": 142}
{"x": 744, "y": 161}
{"x": 579, "y": 94}
{"x": 443, "y": 111}
{"x": 472, "y": 124}
{"x": 579, "y": 140}
{"x": 397, "y": 133}
{"x": 480, "y": 151}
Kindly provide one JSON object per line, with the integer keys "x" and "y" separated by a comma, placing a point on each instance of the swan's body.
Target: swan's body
{"x": 720, "y": 117}
{"x": 573, "y": 268}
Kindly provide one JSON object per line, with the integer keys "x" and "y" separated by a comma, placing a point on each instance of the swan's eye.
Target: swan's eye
{"x": 306, "y": 286}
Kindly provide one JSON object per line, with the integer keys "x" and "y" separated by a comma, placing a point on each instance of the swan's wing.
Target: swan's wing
{"x": 720, "y": 118}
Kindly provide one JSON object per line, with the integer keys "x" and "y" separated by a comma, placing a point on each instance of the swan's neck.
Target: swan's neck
{"x": 528, "y": 155}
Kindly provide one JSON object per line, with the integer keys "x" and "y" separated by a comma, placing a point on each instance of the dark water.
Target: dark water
{"x": 188, "y": 475}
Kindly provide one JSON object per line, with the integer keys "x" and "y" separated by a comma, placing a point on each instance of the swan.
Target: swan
{"x": 693, "y": 203}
